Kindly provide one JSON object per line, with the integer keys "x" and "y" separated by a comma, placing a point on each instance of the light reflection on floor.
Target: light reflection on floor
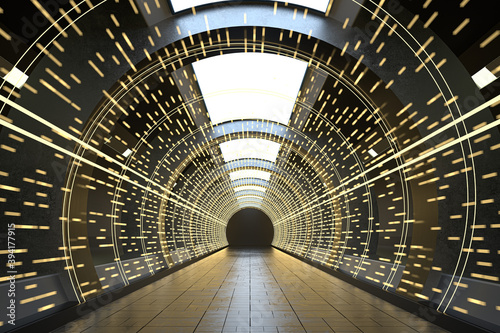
{"x": 250, "y": 290}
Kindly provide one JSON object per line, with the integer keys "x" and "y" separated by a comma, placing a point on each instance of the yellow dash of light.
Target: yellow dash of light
{"x": 461, "y": 26}
{"x": 430, "y": 20}
{"x": 484, "y": 277}
{"x": 98, "y": 71}
{"x": 489, "y": 39}
{"x": 433, "y": 99}
{"x": 9, "y": 188}
{"x": 15, "y": 251}
{"x": 7, "y": 213}
{"x": 48, "y": 54}
{"x": 12, "y": 150}
{"x": 49, "y": 17}
{"x": 77, "y": 80}
{"x": 375, "y": 13}
{"x": 413, "y": 21}
{"x": 381, "y": 25}
{"x": 344, "y": 49}
{"x": 451, "y": 100}
{"x": 127, "y": 40}
{"x": 490, "y": 175}
{"x": 476, "y": 301}
{"x": 456, "y": 308}
{"x": 71, "y": 22}
{"x": 46, "y": 307}
{"x": 134, "y": 7}
{"x": 146, "y": 6}
{"x": 55, "y": 91}
{"x": 38, "y": 297}
{"x": 345, "y": 23}
{"x": 5, "y": 35}
{"x": 115, "y": 21}
{"x": 431, "y": 38}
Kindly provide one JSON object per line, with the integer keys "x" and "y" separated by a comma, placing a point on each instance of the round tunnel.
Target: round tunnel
{"x": 137, "y": 136}
{"x": 249, "y": 228}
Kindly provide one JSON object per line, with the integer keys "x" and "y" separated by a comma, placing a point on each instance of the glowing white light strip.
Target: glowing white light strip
{"x": 178, "y": 5}
{"x": 250, "y": 188}
{"x": 483, "y": 78}
{"x": 127, "y": 152}
{"x": 250, "y": 148}
{"x": 254, "y": 197}
{"x": 250, "y": 86}
{"x": 16, "y": 77}
{"x": 372, "y": 153}
{"x": 250, "y": 173}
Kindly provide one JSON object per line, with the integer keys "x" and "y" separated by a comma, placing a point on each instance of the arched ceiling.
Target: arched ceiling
{"x": 350, "y": 124}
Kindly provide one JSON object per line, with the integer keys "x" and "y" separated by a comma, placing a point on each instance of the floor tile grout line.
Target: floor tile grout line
{"x": 315, "y": 290}
{"x": 220, "y": 286}
{"x": 272, "y": 273}
{"x": 177, "y": 297}
{"x": 153, "y": 283}
{"x": 249, "y": 291}
{"x": 317, "y": 271}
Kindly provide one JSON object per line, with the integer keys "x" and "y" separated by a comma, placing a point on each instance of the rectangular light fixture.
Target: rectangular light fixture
{"x": 16, "y": 77}
{"x": 319, "y": 5}
{"x": 127, "y": 152}
{"x": 483, "y": 78}
{"x": 250, "y": 148}
{"x": 372, "y": 153}
{"x": 249, "y": 173}
{"x": 250, "y": 86}
{"x": 253, "y": 197}
{"x": 249, "y": 188}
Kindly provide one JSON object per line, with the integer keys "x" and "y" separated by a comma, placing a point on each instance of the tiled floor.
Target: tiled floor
{"x": 249, "y": 290}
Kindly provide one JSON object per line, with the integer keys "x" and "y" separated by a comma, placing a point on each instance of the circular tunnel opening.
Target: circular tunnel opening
{"x": 249, "y": 228}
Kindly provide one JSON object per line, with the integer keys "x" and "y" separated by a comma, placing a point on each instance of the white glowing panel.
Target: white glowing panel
{"x": 16, "y": 78}
{"x": 372, "y": 153}
{"x": 250, "y": 86}
{"x": 249, "y": 188}
{"x": 127, "y": 152}
{"x": 250, "y": 148}
{"x": 252, "y": 197}
{"x": 178, "y": 5}
{"x": 249, "y": 173}
{"x": 483, "y": 78}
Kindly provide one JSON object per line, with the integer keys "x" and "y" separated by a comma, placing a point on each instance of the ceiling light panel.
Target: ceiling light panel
{"x": 179, "y": 5}
{"x": 250, "y": 148}
{"x": 483, "y": 78}
{"x": 250, "y": 86}
{"x": 249, "y": 173}
{"x": 249, "y": 188}
{"x": 16, "y": 77}
{"x": 251, "y": 197}
{"x": 372, "y": 153}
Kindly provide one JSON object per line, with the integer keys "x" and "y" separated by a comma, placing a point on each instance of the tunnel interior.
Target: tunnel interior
{"x": 249, "y": 228}
{"x": 139, "y": 136}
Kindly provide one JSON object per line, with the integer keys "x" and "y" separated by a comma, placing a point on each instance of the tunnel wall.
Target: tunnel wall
{"x": 89, "y": 220}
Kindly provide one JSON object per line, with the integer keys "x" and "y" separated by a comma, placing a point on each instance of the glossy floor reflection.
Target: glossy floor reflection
{"x": 249, "y": 290}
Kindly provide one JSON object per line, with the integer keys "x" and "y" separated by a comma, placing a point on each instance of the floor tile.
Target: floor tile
{"x": 249, "y": 290}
